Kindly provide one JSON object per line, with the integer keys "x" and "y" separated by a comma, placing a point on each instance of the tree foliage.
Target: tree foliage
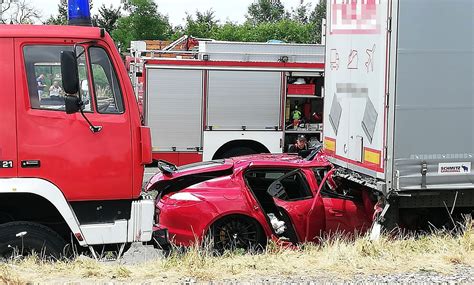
{"x": 107, "y": 18}
{"x": 300, "y": 13}
{"x": 286, "y": 30}
{"x": 19, "y": 12}
{"x": 266, "y": 20}
{"x": 61, "y": 17}
{"x": 144, "y": 22}
{"x": 4, "y": 8}
{"x": 266, "y": 11}
{"x": 203, "y": 25}
{"x": 316, "y": 19}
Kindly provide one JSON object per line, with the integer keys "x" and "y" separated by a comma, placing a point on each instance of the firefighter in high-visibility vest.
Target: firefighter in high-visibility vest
{"x": 296, "y": 116}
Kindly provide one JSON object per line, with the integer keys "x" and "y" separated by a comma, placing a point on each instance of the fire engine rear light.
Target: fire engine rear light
{"x": 79, "y": 236}
{"x": 79, "y": 13}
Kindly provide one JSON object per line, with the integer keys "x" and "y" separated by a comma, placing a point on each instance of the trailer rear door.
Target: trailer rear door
{"x": 174, "y": 108}
{"x": 355, "y": 85}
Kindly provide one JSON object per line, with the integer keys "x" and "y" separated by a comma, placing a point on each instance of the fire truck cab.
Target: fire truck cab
{"x": 68, "y": 174}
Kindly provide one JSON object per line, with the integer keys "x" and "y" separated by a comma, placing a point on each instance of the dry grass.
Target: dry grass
{"x": 335, "y": 257}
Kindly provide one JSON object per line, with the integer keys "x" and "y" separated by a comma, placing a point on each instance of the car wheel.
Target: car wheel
{"x": 238, "y": 151}
{"x": 24, "y": 238}
{"x": 237, "y": 233}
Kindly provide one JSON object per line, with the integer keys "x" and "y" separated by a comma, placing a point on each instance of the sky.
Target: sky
{"x": 233, "y": 10}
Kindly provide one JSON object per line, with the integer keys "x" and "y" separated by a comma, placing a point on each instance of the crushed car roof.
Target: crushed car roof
{"x": 283, "y": 160}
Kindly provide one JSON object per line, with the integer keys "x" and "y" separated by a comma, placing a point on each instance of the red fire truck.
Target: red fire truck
{"x": 72, "y": 146}
{"x": 219, "y": 99}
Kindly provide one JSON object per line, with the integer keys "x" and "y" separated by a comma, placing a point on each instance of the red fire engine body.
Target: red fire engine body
{"x": 57, "y": 177}
{"x": 223, "y": 99}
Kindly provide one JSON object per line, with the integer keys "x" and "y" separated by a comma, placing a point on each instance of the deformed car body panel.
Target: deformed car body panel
{"x": 192, "y": 199}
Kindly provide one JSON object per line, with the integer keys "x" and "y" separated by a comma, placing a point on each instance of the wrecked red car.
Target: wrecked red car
{"x": 242, "y": 202}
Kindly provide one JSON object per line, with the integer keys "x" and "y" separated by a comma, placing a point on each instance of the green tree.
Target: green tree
{"x": 285, "y": 30}
{"x": 264, "y": 11}
{"x": 300, "y": 14}
{"x": 203, "y": 26}
{"x": 316, "y": 20}
{"x": 107, "y": 18}
{"x": 61, "y": 18}
{"x": 231, "y": 32}
{"x": 144, "y": 22}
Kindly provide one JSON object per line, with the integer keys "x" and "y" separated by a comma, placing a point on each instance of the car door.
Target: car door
{"x": 344, "y": 209}
{"x": 299, "y": 198}
{"x": 61, "y": 148}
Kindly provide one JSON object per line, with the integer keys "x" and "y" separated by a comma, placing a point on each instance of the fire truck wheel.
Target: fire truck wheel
{"x": 238, "y": 151}
{"x": 24, "y": 238}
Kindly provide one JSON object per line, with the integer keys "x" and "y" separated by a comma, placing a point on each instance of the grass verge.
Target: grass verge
{"x": 334, "y": 257}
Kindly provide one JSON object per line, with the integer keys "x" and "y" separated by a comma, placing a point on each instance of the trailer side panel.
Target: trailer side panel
{"x": 434, "y": 106}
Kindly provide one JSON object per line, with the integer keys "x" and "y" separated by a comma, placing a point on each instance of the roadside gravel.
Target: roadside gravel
{"x": 461, "y": 275}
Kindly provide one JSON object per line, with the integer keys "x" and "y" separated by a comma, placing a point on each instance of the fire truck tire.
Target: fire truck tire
{"x": 25, "y": 238}
{"x": 238, "y": 151}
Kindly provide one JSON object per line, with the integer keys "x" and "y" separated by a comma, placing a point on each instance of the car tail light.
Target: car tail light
{"x": 180, "y": 199}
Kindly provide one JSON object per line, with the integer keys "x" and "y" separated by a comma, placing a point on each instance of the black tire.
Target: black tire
{"x": 236, "y": 233}
{"x": 238, "y": 151}
{"x": 36, "y": 238}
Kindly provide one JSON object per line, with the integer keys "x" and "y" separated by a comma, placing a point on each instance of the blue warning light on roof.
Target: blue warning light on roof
{"x": 79, "y": 13}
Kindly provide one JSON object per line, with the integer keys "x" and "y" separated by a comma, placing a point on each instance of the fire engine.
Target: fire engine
{"x": 72, "y": 146}
{"x": 206, "y": 99}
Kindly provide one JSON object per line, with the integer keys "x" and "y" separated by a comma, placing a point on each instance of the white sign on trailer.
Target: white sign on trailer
{"x": 356, "y": 56}
{"x": 450, "y": 168}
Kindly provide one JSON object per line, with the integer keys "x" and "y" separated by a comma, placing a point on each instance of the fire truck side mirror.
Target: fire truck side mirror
{"x": 69, "y": 72}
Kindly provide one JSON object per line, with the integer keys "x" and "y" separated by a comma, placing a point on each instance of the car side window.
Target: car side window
{"x": 294, "y": 184}
{"x": 43, "y": 72}
{"x": 296, "y": 187}
{"x": 108, "y": 95}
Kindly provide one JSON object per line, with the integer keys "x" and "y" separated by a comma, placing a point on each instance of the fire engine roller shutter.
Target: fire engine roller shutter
{"x": 243, "y": 98}
{"x": 174, "y": 109}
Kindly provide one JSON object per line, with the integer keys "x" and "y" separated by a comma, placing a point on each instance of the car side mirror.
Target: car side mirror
{"x": 277, "y": 190}
{"x": 72, "y": 104}
{"x": 69, "y": 72}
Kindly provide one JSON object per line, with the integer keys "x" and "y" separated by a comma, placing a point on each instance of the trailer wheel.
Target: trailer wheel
{"x": 24, "y": 238}
{"x": 238, "y": 151}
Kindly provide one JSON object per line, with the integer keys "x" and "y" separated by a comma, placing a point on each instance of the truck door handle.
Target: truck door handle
{"x": 336, "y": 213}
{"x": 30, "y": 163}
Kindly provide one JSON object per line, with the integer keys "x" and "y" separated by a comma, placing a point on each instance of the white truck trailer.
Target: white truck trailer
{"x": 399, "y": 104}
{"x": 224, "y": 99}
